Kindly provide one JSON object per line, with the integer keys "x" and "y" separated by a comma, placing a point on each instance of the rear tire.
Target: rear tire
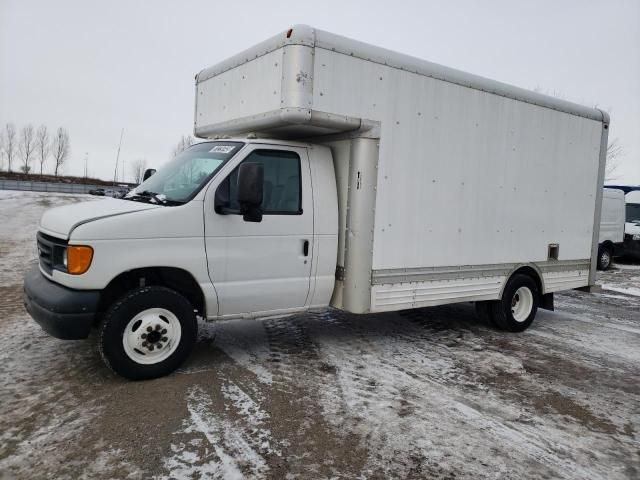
{"x": 605, "y": 256}
{"x": 147, "y": 333}
{"x": 518, "y": 306}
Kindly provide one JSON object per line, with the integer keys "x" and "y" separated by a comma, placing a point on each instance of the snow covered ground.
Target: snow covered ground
{"x": 431, "y": 393}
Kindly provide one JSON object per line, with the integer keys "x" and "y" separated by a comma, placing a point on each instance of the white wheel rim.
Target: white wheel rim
{"x": 605, "y": 259}
{"x": 152, "y": 336}
{"x": 521, "y": 304}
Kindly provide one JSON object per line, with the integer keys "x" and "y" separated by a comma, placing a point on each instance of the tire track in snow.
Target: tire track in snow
{"x": 299, "y": 375}
{"x": 232, "y": 456}
{"x": 372, "y": 401}
{"x": 400, "y": 351}
{"x": 252, "y": 415}
{"x": 552, "y": 446}
{"x": 245, "y": 341}
{"x": 280, "y": 421}
{"x": 289, "y": 345}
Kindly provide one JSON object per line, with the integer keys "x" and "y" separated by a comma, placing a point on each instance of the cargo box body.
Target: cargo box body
{"x": 447, "y": 182}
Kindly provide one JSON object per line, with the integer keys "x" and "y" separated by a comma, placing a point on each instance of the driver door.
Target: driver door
{"x": 262, "y": 267}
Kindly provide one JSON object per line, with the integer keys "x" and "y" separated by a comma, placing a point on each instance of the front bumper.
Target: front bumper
{"x": 61, "y": 312}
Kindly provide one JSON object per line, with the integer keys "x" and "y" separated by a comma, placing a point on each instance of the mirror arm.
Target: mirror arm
{"x": 251, "y": 213}
{"x": 223, "y": 210}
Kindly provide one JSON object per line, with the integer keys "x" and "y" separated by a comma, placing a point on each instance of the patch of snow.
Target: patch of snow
{"x": 426, "y": 389}
{"x": 404, "y": 392}
{"x": 615, "y": 297}
{"x": 252, "y": 414}
{"x": 232, "y": 457}
{"x": 625, "y": 266}
{"x": 41, "y": 414}
{"x": 633, "y": 291}
{"x": 245, "y": 341}
{"x": 18, "y": 233}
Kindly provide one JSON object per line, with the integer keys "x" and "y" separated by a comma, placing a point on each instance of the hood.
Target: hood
{"x": 61, "y": 221}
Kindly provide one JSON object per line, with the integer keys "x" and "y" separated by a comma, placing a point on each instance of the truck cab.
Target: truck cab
{"x": 192, "y": 230}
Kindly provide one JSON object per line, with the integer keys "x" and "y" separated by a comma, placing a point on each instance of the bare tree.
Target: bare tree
{"x": 42, "y": 145}
{"x": 10, "y": 143}
{"x": 1, "y": 149}
{"x": 614, "y": 151}
{"x": 27, "y": 147}
{"x": 137, "y": 169}
{"x": 185, "y": 142}
{"x": 61, "y": 149}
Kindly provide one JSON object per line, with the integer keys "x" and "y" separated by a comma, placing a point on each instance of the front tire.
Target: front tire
{"x": 604, "y": 257}
{"x": 518, "y": 306}
{"x": 148, "y": 333}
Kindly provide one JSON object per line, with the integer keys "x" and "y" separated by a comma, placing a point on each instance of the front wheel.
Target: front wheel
{"x": 517, "y": 308}
{"x": 148, "y": 333}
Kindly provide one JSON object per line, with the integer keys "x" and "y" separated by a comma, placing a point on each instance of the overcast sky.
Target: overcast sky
{"x": 96, "y": 67}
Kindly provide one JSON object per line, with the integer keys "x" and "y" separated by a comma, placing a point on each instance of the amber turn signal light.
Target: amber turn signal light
{"x": 78, "y": 259}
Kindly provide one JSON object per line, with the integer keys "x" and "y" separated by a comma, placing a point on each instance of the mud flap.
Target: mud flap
{"x": 546, "y": 301}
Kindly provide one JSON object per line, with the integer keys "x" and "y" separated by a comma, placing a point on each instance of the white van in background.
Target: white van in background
{"x": 631, "y": 246}
{"x": 611, "y": 226}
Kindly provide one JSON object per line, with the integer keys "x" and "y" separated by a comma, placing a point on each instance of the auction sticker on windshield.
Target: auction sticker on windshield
{"x": 222, "y": 149}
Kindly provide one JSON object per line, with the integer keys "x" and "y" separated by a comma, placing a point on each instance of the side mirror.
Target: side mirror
{"x": 250, "y": 194}
{"x": 147, "y": 173}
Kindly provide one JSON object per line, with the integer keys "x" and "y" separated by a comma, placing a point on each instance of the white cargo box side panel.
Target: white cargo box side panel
{"x": 243, "y": 91}
{"x": 467, "y": 177}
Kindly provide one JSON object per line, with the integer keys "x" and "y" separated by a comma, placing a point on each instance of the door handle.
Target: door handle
{"x": 305, "y": 248}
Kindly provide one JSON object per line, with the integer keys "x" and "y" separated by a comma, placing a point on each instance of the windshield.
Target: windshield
{"x": 633, "y": 212}
{"x": 184, "y": 176}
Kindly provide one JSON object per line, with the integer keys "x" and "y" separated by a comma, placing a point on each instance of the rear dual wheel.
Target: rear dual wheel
{"x": 517, "y": 308}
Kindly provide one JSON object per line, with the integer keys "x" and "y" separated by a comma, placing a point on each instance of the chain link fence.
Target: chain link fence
{"x": 27, "y": 186}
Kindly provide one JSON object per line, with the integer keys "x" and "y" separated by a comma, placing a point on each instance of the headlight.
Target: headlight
{"x": 77, "y": 259}
{"x": 64, "y": 258}
{"x": 635, "y": 236}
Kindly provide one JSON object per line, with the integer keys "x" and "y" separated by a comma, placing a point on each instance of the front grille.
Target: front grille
{"x": 50, "y": 251}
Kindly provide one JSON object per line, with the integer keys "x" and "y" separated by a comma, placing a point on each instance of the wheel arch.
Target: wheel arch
{"x": 608, "y": 244}
{"x": 174, "y": 278}
{"x": 530, "y": 270}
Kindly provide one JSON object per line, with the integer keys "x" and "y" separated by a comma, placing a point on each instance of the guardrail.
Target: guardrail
{"x": 27, "y": 186}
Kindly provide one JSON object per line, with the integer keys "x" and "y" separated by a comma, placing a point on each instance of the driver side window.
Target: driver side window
{"x": 282, "y": 184}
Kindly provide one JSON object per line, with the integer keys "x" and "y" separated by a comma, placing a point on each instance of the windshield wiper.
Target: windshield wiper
{"x": 152, "y": 197}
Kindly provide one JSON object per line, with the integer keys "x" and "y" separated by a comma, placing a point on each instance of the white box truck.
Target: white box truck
{"x": 334, "y": 173}
{"x": 612, "y": 220}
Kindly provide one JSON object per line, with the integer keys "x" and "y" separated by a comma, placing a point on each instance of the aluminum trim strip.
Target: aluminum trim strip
{"x": 406, "y": 275}
{"x": 604, "y": 141}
